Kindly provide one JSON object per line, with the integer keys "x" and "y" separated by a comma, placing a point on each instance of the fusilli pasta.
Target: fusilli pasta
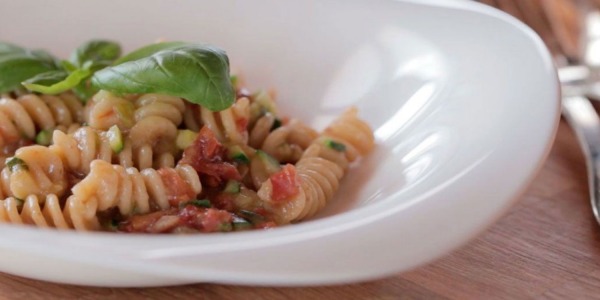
{"x": 322, "y": 166}
{"x": 106, "y": 110}
{"x": 113, "y": 186}
{"x": 30, "y": 114}
{"x": 228, "y": 125}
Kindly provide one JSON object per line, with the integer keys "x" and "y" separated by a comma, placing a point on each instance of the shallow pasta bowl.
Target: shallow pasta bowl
{"x": 463, "y": 100}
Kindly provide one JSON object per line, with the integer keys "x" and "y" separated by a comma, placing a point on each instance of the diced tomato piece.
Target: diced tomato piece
{"x": 213, "y": 219}
{"x": 204, "y": 219}
{"x": 223, "y": 201}
{"x": 177, "y": 189}
{"x": 206, "y": 156}
{"x": 285, "y": 184}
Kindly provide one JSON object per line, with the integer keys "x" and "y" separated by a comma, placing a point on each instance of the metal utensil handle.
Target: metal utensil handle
{"x": 581, "y": 115}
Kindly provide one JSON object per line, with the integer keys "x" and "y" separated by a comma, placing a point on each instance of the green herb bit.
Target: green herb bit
{"x": 252, "y": 217}
{"x": 240, "y": 224}
{"x": 237, "y": 155}
{"x": 276, "y": 124}
{"x": 335, "y": 145}
{"x": 112, "y": 225}
{"x": 44, "y": 138}
{"x": 15, "y": 164}
{"x": 203, "y": 203}
{"x": 55, "y": 82}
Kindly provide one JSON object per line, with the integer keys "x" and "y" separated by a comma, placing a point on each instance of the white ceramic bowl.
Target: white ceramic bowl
{"x": 463, "y": 100}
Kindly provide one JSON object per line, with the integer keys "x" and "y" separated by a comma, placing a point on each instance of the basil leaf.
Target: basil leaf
{"x": 51, "y": 83}
{"x": 100, "y": 52}
{"x": 6, "y": 48}
{"x": 147, "y": 51}
{"x": 199, "y": 74}
{"x": 17, "y": 67}
{"x": 47, "y": 78}
{"x": 46, "y": 57}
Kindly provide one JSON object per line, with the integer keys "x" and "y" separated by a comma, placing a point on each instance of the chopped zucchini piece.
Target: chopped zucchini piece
{"x": 115, "y": 139}
{"x": 237, "y": 155}
{"x": 263, "y": 98}
{"x": 44, "y": 138}
{"x": 185, "y": 138}
{"x": 204, "y": 203}
{"x": 232, "y": 187}
{"x": 335, "y": 145}
{"x": 252, "y": 217}
{"x": 15, "y": 164}
{"x": 240, "y": 224}
{"x": 271, "y": 164}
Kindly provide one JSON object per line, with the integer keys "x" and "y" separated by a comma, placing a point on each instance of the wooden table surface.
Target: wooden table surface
{"x": 546, "y": 247}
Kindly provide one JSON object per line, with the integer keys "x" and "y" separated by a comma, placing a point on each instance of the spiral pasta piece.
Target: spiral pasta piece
{"x": 132, "y": 192}
{"x": 107, "y": 110}
{"x": 168, "y": 107}
{"x": 29, "y": 114}
{"x": 5, "y": 191}
{"x": 46, "y": 213}
{"x": 322, "y": 166}
{"x": 143, "y": 148}
{"x": 229, "y": 125}
{"x": 288, "y": 142}
{"x": 38, "y": 171}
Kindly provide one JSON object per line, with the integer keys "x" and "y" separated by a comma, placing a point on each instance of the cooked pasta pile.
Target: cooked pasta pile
{"x": 155, "y": 163}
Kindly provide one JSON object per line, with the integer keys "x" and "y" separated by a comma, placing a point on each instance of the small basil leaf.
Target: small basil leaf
{"x": 17, "y": 67}
{"x": 67, "y": 65}
{"x": 147, "y": 51}
{"x": 199, "y": 74}
{"x": 40, "y": 84}
{"x": 97, "y": 51}
{"x": 48, "y": 78}
{"x": 46, "y": 57}
{"x": 6, "y": 48}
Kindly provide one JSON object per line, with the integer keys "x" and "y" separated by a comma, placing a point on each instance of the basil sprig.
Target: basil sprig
{"x": 75, "y": 73}
{"x": 18, "y": 64}
{"x": 197, "y": 73}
